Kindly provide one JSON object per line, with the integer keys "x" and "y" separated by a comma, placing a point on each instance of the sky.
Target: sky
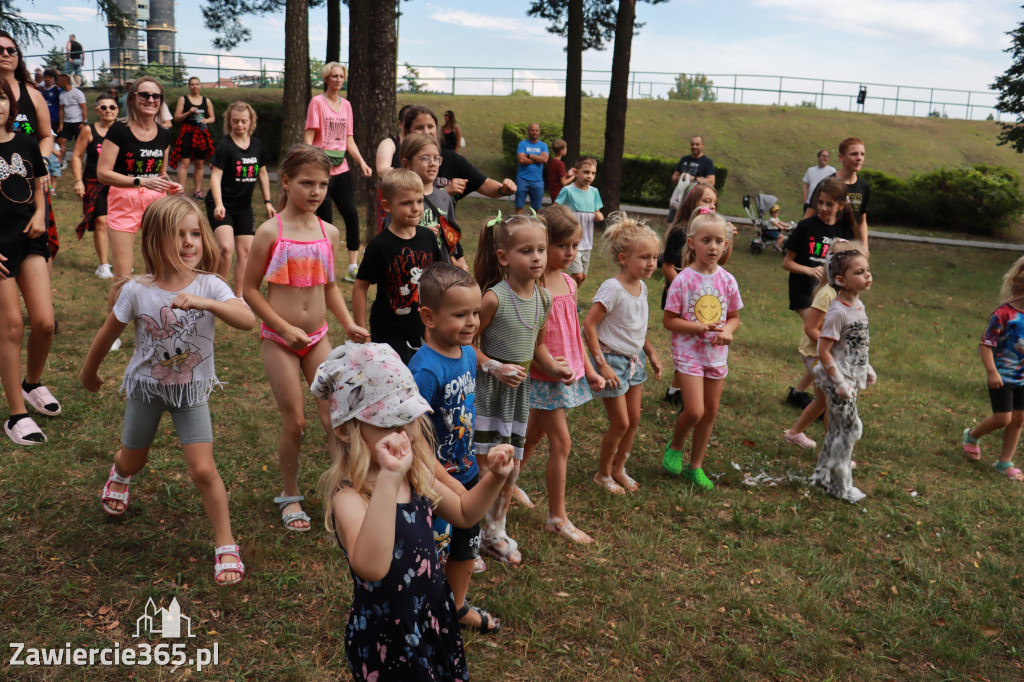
{"x": 908, "y": 43}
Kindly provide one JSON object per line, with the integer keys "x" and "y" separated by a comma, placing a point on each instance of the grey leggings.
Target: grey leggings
{"x": 833, "y": 471}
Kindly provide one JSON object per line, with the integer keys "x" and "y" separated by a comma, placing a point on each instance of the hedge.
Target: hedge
{"x": 979, "y": 199}
{"x": 646, "y": 180}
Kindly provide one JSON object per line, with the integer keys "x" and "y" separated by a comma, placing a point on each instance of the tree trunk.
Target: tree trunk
{"x": 333, "y": 31}
{"x": 615, "y": 120}
{"x": 296, "y": 73}
{"x": 373, "y": 51}
{"x": 571, "y": 125}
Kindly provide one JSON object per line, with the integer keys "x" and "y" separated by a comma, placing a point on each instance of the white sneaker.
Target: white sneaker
{"x": 104, "y": 271}
{"x": 353, "y": 270}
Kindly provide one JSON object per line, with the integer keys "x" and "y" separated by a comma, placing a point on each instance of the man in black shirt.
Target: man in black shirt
{"x": 75, "y": 57}
{"x": 696, "y": 166}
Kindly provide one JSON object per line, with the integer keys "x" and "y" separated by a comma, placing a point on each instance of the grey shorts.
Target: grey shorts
{"x": 142, "y": 418}
{"x": 629, "y": 370}
{"x": 582, "y": 262}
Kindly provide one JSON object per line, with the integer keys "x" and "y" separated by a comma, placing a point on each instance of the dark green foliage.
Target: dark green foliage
{"x": 980, "y": 199}
{"x": 1011, "y": 91}
{"x": 512, "y": 133}
{"x": 695, "y": 87}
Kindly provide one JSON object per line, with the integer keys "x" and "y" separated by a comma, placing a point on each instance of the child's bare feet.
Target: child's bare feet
{"x": 609, "y": 484}
{"x": 519, "y": 496}
{"x": 568, "y": 531}
{"x": 623, "y": 479}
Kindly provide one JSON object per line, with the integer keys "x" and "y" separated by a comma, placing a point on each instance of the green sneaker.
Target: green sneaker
{"x": 698, "y": 478}
{"x": 672, "y": 461}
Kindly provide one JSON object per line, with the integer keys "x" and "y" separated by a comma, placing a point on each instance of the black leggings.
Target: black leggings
{"x": 343, "y": 193}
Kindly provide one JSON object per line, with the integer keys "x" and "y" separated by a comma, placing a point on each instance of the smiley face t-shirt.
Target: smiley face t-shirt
{"x": 707, "y": 299}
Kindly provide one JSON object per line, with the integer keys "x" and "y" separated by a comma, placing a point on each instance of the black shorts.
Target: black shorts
{"x": 18, "y": 250}
{"x": 1006, "y": 398}
{"x": 69, "y": 131}
{"x": 241, "y": 220}
{"x": 465, "y": 544}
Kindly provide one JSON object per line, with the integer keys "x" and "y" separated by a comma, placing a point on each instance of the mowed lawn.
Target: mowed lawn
{"x": 767, "y": 581}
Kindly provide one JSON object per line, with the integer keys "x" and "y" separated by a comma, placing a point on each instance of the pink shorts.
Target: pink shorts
{"x": 692, "y": 368}
{"x": 125, "y": 206}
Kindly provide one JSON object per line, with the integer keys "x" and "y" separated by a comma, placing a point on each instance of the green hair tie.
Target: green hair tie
{"x": 533, "y": 214}
{"x": 495, "y": 220}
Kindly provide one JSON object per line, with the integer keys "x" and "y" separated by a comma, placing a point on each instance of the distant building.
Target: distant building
{"x": 148, "y": 36}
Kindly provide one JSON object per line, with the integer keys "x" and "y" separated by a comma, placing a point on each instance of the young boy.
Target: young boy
{"x": 585, "y": 201}
{"x": 394, "y": 261}
{"x": 445, "y": 371}
{"x": 556, "y": 175}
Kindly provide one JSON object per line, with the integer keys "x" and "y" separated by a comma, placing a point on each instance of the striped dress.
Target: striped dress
{"x": 502, "y": 412}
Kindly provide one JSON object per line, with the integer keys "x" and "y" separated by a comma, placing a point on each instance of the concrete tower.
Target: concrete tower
{"x": 160, "y": 31}
{"x": 124, "y": 49}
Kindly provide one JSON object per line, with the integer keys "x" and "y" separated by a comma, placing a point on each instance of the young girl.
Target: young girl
{"x": 420, "y": 154}
{"x": 671, "y": 261}
{"x": 172, "y": 368}
{"x": 702, "y": 312}
{"x": 293, "y": 253}
{"x": 615, "y": 330}
{"x": 24, "y": 247}
{"x": 805, "y": 259}
{"x": 1002, "y": 361}
{"x": 843, "y": 370}
{"x": 550, "y": 398}
{"x": 511, "y": 257}
{"x": 91, "y": 191}
{"x": 379, "y": 497}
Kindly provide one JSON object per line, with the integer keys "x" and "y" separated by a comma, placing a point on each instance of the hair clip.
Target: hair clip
{"x": 705, "y": 210}
{"x": 533, "y": 213}
{"x": 495, "y": 220}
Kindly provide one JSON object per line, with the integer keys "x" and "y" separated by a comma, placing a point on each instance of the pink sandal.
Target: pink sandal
{"x": 220, "y": 569}
{"x": 109, "y": 494}
{"x": 971, "y": 449}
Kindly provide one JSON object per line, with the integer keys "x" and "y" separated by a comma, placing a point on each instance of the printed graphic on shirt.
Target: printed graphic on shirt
{"x": 16, "y": 179}
{"x": 458, "y": 419}
{"x": 22, "y": 123}
{"x": 817, "y": 247}
{"x": 149, "y": 161}
{"x": 172, "y": 340}
{"x": 706, "y": 305}
{"x": 247, "y": 169}
{"x": 335, "y": 130}
{"x": 403, "y": 280}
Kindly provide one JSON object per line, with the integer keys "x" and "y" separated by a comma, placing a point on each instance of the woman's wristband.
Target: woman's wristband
{"x": 268, "y": 201}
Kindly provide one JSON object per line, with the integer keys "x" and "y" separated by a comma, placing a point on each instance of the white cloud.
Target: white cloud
{"x": 517, "y": 29}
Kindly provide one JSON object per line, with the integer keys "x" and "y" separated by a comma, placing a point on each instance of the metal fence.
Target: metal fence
{"x": 229, "y": 70}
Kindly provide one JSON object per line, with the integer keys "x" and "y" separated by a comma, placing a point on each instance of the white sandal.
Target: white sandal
{"x": 21, "y": 431}
{"x": 282, "y": 502}
{"x": 219, "y": 568}
{"x": 40, "y": 399}
{"x": 108, "y": 494}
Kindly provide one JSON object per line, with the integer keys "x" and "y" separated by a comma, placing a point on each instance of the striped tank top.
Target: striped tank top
{"x": 512, "y": 335}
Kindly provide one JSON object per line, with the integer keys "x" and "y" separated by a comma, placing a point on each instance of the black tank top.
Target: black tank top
{"x": 201, "y": 108}
{"x": 448, "y": 140}
{"x": 26, "y": 121}
{"x": 92, "y": 153}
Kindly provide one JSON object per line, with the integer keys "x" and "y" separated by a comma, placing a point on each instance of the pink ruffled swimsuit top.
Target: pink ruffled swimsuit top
{"x": 300, "y": 264}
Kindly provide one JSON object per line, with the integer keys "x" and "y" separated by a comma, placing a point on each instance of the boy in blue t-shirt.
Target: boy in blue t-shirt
{"x": 585, "y": 202}
{"x": 445, "y": 371}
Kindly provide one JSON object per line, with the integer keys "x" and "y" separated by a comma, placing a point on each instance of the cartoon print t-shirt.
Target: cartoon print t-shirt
{"x": 449, "y": 385}
{"x": 707, "y": 299}
{"x": 173, "y": 356}
{"x": 241, "y": 170}
{"x": 1005, "y": 335}
{"x": 331, "y": 128}
{"x": 20, "y": 162}
{"x": 136, "y": 158}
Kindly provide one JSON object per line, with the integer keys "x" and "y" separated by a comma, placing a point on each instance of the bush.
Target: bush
{"x": 646, "y": 180}
{"x": 979, "y": 199}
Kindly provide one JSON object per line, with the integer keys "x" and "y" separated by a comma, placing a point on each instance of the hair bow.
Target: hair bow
{"x": 495, "y": 220}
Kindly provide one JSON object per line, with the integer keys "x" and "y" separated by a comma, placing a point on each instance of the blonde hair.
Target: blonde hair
{"x": 498, "y": 234}
{"x": 623, "y": 233}
{"x": 239, "y": 105}
{"x": 352, "y": 467}
{"x": 159, "y": 237}
{"x": 1013, "y": 282}
{"x": 131, "y": 99}
{"x": 397, "y": 180}
{"x": 331, "y": 66}
{"x": 701, "y": 220}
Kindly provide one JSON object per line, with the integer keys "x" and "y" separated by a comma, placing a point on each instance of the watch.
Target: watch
{"x": 137, "y": 181}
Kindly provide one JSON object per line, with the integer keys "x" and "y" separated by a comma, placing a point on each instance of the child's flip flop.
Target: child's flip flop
{"x": 971, "y": 449}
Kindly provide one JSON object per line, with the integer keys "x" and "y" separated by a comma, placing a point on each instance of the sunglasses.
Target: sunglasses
{"x": 155, "y": 96}
{"x": 104, "y": 107}
{"x": 9, "y": 50}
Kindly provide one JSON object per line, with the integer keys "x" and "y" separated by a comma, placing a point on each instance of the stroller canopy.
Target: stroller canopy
{"x": 764, "y": 202}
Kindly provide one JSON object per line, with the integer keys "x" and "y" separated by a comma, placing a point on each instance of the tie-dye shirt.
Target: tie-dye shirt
{"x": 1005, "y": 335}
{"x": 697, "y": 297}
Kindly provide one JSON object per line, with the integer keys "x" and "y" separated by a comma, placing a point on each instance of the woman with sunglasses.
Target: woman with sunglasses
{"x": 91, "y": 191}
{"x": 133, "y": 162}
{"x": 33, "y": 118}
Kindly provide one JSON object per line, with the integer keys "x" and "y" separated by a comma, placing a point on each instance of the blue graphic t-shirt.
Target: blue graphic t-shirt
{"x": 448, "y": 384}
{"x": 1005, "y": 335}
{"x": 531, "y": 172}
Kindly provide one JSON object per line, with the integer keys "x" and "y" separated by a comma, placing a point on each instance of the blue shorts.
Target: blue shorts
{"x": 75, "y": 67}
{"x": 535, "y": 190}
{"x": 630, "y": 371}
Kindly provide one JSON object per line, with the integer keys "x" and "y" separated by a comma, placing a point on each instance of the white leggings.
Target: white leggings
{"x": 833, "y": 471}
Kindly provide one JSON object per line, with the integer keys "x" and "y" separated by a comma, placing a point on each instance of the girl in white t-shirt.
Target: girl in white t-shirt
{"x": 615, "y": 331}
{"x": 172, "y": 370}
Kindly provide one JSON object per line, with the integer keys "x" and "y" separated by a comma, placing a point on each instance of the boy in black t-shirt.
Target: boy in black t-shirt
{"x": 394, "y": 261}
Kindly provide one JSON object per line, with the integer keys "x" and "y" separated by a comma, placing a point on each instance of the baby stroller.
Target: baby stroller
{"x": 765, "y": 233}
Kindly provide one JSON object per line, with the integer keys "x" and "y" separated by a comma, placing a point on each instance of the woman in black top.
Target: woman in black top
{"x": 133, "y": 163}
{"x": 451, "y": 133}
{"x": 89, "y": 189}
{"x": 195, "y": 113}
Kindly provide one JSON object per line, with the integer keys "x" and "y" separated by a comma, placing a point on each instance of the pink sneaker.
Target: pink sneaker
{"x": 798, "y": 439}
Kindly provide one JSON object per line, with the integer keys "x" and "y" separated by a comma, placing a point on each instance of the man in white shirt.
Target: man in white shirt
{"x": 816, "y": 174}
{"x": 73, "y": 113}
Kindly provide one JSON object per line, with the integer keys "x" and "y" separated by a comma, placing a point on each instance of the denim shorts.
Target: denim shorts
{"x": 630, "y": 371}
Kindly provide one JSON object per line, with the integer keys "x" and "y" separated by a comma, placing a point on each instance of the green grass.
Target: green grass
{"x": 742, "y": 583}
